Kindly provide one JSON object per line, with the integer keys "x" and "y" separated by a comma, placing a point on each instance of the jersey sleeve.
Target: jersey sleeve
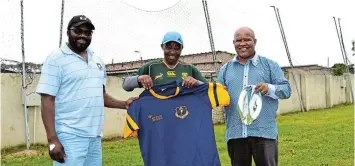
{"x": 132, "y": 119}
{"x": 197, "y": 74}
{"x": 218, "y": 95}
{"x": 50, "y": 79}
{"x": 144, "y": 70}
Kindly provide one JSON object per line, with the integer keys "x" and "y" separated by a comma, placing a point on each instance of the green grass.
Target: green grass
{"x": 319, "y": 137}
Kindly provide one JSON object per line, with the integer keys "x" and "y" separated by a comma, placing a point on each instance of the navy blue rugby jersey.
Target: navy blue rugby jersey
{"x": 175, "y": 125}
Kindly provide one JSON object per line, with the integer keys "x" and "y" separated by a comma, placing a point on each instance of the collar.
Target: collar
{"x": 66, "y": 50}
{"x": 171, "y": 68}
{"x": 254, "y": 60}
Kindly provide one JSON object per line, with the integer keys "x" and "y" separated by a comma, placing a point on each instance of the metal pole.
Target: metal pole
{"x": 353, "y": 47}
{"x": 288, "y": 54}
{"x": 61, "y": 24}
{"x": 24, "y": 80}
{"x": 341, "y": 47}
{"x": 34, "y": 126}
{"x": 140, "y": 55}
{"x": 346, "y": 61}
{"x": 209, "y": 29}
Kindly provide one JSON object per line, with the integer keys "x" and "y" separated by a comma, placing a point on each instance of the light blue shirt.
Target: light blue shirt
{"x": 78, "y": 89}
{"x": 235, "y": 76}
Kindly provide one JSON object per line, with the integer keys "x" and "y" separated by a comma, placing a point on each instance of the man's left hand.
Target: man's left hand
{"x": 263, "y": 88}
{"x": 130, "y": 101}
{"x": 189, "y": 82}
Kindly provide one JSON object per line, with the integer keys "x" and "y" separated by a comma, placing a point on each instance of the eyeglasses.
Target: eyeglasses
{"x": 78, "y": 31}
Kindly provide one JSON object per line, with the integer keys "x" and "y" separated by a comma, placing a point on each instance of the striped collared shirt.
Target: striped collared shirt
{"x": 78, "y": 89}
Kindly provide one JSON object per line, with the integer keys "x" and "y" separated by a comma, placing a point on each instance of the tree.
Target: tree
{"x": 339, "y": 69}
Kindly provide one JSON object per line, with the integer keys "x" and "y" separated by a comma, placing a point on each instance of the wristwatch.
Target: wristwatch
{"x": 51, "y": 147}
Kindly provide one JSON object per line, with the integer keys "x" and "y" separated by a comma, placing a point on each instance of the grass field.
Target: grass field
{"x": 322, "y": 137}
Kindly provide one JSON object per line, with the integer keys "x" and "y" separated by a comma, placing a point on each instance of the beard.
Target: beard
{"x": 79, "y": 44}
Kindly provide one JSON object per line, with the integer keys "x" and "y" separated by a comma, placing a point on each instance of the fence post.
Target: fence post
{"x": 328, "y": 92}
{"x": 348, "y": 87}
{"x": 303, "y": 82}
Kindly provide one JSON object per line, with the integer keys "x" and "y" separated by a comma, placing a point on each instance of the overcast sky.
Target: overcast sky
{"x": 125, "y": 26}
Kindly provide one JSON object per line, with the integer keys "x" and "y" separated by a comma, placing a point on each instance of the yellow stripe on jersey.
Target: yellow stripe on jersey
{"x": 132, "y": 123}
{"x": 126, "y": 131}
{"x": 165, "y": 97}
{"x": 129, "y": 127}
{"x": 211, "y": 95}
{"x": 222, "y": 95}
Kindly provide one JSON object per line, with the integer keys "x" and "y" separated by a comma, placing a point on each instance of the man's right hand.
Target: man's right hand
{"x": 146, "y": 81}
{"x": 57, "y": 153}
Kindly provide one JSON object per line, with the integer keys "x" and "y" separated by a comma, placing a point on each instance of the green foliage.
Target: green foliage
{"x": 339, "y": 69}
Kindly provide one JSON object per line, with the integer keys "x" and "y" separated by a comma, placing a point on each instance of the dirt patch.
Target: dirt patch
{"x": 113, "y": 138}
{"x": 26, "y": 153}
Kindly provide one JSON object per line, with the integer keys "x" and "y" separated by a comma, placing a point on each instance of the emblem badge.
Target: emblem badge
{"x": 83, "y": 18}
{"x": 184, "y": 75}
{"x": 171, "y": 74}
{"x": 181, "y": 112}
{"x": 99, "y": 66}
{"x": 159, "y": 77}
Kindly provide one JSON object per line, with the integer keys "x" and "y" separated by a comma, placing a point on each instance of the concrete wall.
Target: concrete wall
{"x": 313, "y": 91}
{"x": 338, "y": 88}
{"x": 291, "y": 104}
{"x": 12, "y": 111}
{"x": 12, "y": 116}
{"x": 317, "y": 91}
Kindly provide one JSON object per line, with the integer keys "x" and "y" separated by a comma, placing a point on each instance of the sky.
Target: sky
{"x": 123, "y": 27}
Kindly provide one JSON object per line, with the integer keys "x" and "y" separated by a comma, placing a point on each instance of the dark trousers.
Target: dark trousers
{"x": 263, "y": 151}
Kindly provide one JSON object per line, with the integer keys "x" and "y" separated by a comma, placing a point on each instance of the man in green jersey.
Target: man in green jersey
{"x": 167, "y": 69}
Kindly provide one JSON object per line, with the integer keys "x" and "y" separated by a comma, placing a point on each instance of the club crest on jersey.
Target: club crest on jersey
{"x": 171, "y": 74}
{"x": 158, "y": 77}
{"x": 181, "y": 112}
{"x": 184, "y": 75}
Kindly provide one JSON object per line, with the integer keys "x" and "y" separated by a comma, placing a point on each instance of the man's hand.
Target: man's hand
{"x": 263, "y": 88}
{"x": 57, "y": 153}
{"x": 146, "y": 81}
{"x": 130, "y": 101}
{"x": 189, "y": 82}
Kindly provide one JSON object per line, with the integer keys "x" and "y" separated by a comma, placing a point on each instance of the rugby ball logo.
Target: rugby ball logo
{"x": 249, "y": 105}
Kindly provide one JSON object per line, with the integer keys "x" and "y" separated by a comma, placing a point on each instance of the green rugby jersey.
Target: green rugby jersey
{"x": 161, "y": 74}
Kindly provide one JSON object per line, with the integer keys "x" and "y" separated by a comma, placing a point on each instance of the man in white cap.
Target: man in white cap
{"x": 167, "y": 69}
{"x": 254, "y": 83}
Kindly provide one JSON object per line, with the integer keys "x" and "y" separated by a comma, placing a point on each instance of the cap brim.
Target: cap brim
{"x": 173, "y": 41}
{"x": 91, "y": 26}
